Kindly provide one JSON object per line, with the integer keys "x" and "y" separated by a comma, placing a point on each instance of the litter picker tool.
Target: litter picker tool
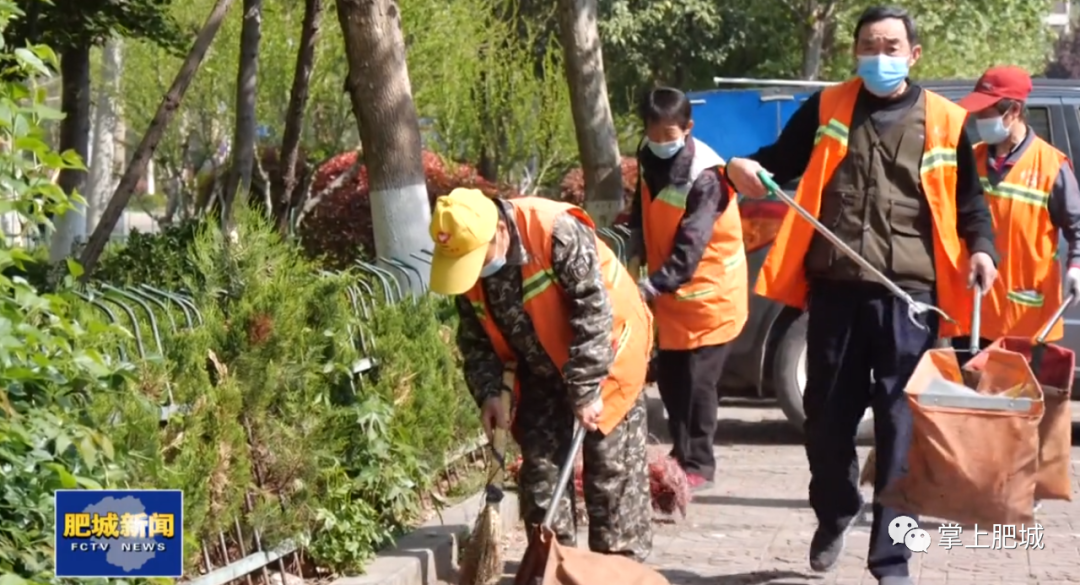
{"x": 915, "y": 308}
{"x": 1038, "y": 349}
{"x": 481, "y": 562}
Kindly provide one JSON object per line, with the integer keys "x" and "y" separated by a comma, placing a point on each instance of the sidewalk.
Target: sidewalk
{"x": 754, "y": 526}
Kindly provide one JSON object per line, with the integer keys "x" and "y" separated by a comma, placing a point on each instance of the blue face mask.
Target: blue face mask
{"x": 666, "y": 150}
{"x": 882, "y": 74}
{"x": 992, "y": 130}
{"x": 492, "y": 267}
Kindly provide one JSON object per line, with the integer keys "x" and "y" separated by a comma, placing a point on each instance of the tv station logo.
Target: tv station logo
{"x": 119, "y": 533}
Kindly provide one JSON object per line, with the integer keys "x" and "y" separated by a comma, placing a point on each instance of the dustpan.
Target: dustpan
{"x": 546, "y": 562}
{"x": 975, "y": 438}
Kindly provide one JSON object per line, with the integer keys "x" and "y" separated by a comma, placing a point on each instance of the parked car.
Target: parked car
{"x": 769, "y": 358}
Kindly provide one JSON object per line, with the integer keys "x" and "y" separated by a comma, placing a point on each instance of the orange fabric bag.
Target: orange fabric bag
{"x": 974, "y": 456}
{"x": 1056, "y": 370}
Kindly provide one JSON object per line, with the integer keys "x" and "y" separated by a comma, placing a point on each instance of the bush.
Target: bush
{"x": 339, "y": 228}
{"x": 573, "y": 186}
{"x": 50, "y": 369}
{"x": 160, "y": 259}
{"x": 276, "y": 413}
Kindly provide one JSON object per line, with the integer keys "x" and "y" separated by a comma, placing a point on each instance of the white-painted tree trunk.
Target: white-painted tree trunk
{"x": 101, "y": 182}
{"x": 151, "y": 187}
{"x": 381, "y": 93}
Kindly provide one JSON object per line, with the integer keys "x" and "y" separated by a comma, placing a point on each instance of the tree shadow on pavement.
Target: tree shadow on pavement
{"x": 680, "y": 577}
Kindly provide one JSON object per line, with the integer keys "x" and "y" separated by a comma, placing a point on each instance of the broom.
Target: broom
{"x": 481, "y": 561}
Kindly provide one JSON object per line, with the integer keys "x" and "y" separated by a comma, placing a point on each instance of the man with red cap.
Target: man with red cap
{"x": 1032, "y": 193}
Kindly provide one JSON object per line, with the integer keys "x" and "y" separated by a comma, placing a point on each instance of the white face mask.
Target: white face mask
{"x": 992, "y": 130}
{"x": 666, "y": 150}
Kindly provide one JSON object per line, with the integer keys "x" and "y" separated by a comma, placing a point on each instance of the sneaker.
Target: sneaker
{"x": 826, "y": 546}
{"x": 697, "y": 482}
{"x": 895, "y": 580}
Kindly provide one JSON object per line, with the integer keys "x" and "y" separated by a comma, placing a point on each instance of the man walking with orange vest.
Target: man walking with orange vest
{"x": 1033, "y": 196}
{"x": 887, "y": 166}
{"x": 685, "y": 221}
{"x": 536, "y": 289}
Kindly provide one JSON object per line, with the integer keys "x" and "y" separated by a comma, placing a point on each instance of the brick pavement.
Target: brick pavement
{"x": 754, "y": 526}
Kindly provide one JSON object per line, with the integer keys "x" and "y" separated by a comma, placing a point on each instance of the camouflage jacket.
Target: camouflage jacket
{"x": 576, "y": 263}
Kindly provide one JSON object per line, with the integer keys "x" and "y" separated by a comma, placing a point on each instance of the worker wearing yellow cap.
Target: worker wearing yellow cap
{"x": 536, "y": 289}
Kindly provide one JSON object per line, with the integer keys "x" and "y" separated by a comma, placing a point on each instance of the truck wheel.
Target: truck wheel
{"x": 789, "y": 377}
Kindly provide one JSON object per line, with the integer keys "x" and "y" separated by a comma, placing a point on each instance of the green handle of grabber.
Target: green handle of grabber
{"x": 768, "y": 181}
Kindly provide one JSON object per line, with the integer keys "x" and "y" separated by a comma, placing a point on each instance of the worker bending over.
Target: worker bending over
{"x": 536, "y": 288}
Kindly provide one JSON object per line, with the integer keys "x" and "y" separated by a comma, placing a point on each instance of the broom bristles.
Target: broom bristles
{"x": 481, "y": 562}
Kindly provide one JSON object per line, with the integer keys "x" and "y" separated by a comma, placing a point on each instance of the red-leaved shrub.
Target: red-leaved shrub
{"x": 339, "y": 228}
{"x": 572, "y": 187}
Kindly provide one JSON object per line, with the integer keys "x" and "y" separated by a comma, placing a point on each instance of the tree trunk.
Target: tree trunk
{"x": 378, "y": 84}
{"x": 817, "y": 18}
{"x": 598, "y": 143}
{"x": 145, "y": 150}
{"x": 74, "y": 135}
{"x": 294, "y": 115}
{"x": 243, "y": 144}
{"x": 106, "y": 121}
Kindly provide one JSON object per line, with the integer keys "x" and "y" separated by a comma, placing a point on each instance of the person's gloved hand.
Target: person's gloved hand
{"x": 647, "y": 291}
{"x": 1072, "y": 284}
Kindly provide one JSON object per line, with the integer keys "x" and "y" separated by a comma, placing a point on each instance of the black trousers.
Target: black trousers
{"x": 687, "y": 381}
{"x": 861, "y": 349}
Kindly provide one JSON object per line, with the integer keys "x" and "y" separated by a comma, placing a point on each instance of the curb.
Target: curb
{"x": 429, "y": 554}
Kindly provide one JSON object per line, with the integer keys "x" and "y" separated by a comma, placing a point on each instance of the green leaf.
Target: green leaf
{"x": 29, "y": 59}
{"x": 87, "y": 452}
{"x": 62, "y": 443}
{"x": 67, "y": 480}
{"x": 74, "y": 268}
{"x": 106, "y": 446}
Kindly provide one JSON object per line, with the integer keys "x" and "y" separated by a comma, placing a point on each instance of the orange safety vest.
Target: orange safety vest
{"x": 783, "y": 277}
{"x": 711, "y": 308}
{"x": 546, "y": 303}
{"x": 1027, "y": 291}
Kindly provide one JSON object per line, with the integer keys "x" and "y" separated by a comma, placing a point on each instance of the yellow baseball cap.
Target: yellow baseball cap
{"x": 462, "y": 226}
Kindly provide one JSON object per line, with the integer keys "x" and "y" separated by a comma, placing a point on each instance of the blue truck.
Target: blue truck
{"x": 769, "y": 357}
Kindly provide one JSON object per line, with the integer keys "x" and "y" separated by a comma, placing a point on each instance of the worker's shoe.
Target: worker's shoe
{"x": 697, "y": 482}
{"x": 828, "y": 543}
{"x": 895, "y": 580}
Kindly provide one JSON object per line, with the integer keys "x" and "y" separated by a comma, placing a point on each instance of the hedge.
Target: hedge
{"x": 276, "y": 415}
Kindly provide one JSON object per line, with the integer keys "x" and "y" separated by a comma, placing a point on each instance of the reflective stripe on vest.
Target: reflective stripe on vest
{"x": 1017, "y": 193}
